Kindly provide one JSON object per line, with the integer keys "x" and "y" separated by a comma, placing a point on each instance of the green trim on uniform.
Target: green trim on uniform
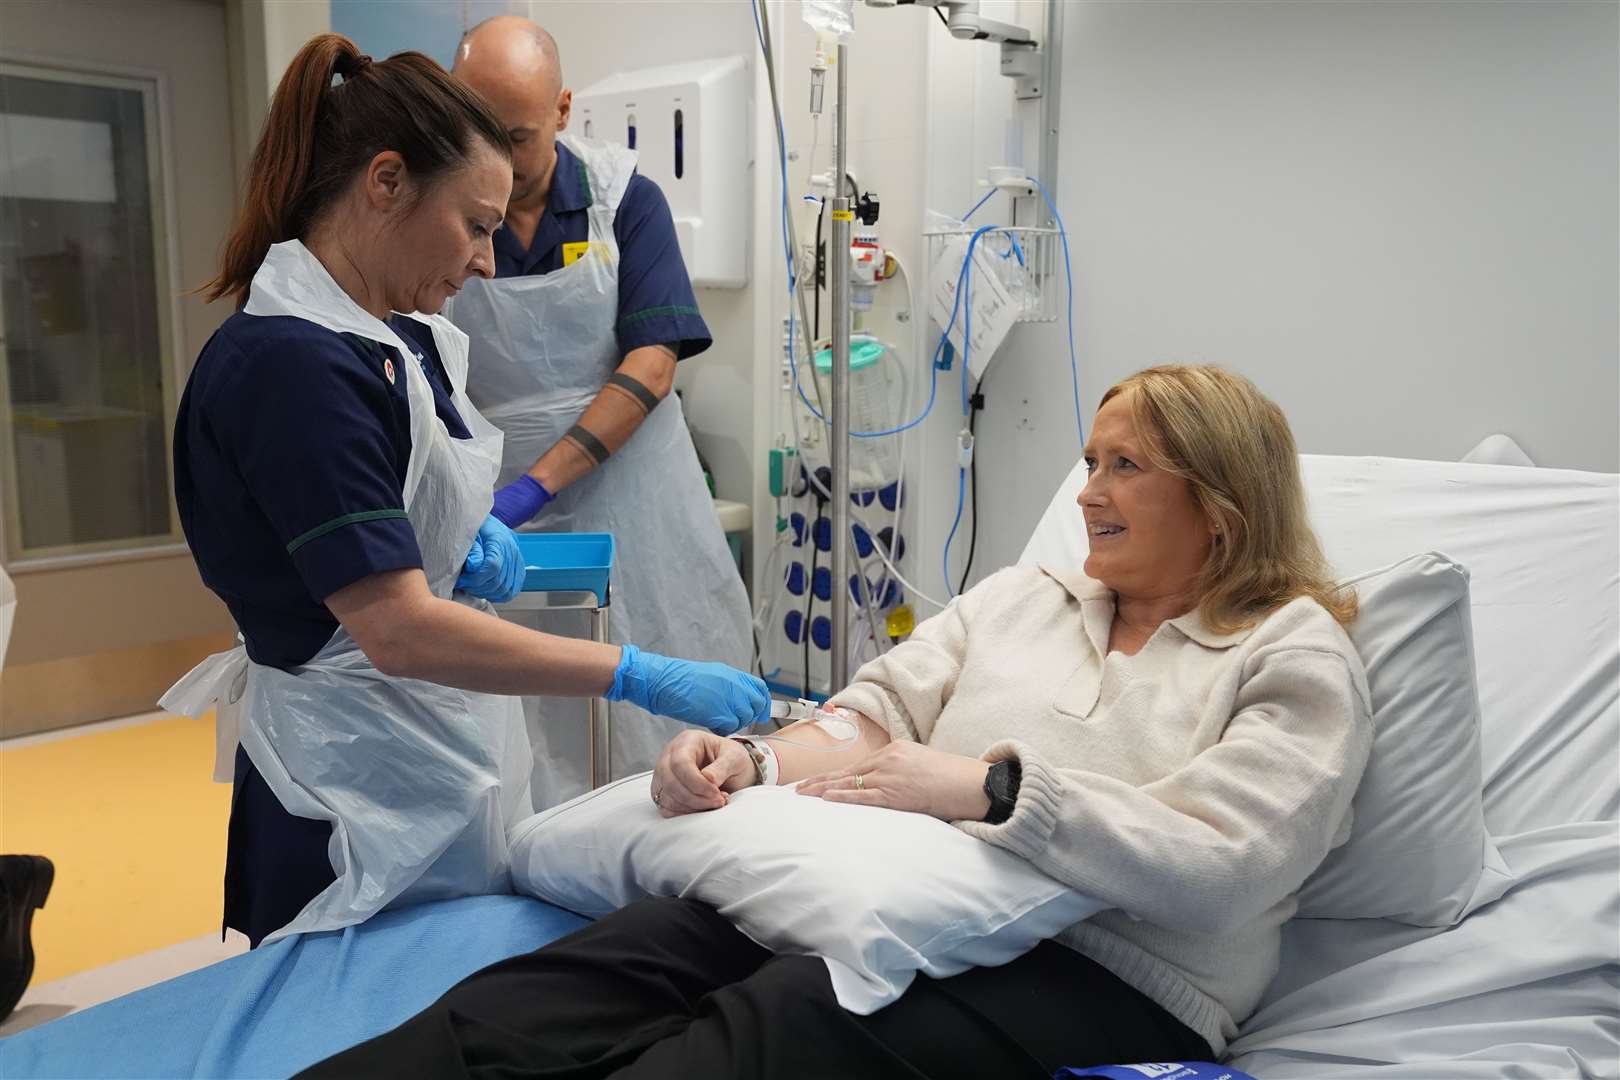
{"x": 655, "y": 312}
{"x": 585, "y": 180}
{"x": 347, "y": 519}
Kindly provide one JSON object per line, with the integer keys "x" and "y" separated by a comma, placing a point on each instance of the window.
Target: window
{"x": 88, "y": 317}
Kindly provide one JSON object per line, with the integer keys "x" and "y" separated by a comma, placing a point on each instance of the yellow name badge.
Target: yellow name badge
{"x": 573, "y": 252}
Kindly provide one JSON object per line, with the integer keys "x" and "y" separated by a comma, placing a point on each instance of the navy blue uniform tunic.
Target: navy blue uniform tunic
{"x": 290, "y": 450}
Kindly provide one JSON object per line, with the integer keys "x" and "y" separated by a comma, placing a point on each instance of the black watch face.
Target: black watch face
{"x": 1000, "y": 781}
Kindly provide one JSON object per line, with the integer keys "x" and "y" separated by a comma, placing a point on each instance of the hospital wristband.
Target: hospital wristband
{"x": 764, "y": 758}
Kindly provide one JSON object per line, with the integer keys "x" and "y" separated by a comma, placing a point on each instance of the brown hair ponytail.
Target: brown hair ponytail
{"x": 317, "y": 136}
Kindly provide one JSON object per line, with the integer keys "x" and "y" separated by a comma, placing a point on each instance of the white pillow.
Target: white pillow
{"x": 878, "y": 894}
{"x": 1418, "y": 848}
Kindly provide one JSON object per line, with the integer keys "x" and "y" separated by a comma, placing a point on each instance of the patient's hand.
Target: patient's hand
{"x": 697, "y": 770}
{"x": 909, "y": 776}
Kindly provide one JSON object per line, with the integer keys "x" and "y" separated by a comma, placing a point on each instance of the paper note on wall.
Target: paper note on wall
{"x": 986, "y": 297}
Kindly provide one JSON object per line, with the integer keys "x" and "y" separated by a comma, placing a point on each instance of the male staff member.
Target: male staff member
{"x": 574, "y": 347}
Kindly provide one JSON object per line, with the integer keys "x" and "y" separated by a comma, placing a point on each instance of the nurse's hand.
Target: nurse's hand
{"x": 713, "y": 696}
{"x": 519, "y": 501}
{"x": 494, "y": 568}
{"x": 696, "y": 772}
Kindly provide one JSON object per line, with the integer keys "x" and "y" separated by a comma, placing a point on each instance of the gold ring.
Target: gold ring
{"x": 657, "y": 795}
{"x": 860, "y": 781}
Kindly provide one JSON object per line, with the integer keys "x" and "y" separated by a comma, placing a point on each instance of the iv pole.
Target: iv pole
{"x": 838, "y": 265}
{"x": 1018, "y": 52}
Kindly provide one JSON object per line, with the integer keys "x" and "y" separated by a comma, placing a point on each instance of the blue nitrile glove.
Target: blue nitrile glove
{"x": 494, "y": 569}
{"x": 519, "y": 501}
{"x": 713, "y": 696}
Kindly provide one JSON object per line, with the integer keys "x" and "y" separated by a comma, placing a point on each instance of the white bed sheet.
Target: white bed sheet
{"x": 1528, "y": 986}
{"x": 1525, "y": 987}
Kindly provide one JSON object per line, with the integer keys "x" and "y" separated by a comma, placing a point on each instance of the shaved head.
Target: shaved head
{"x": 513, "y": 64}
{"x": 511, "y": 46}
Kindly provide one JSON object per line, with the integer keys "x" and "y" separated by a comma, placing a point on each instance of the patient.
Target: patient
{"x": 1177, "y": 731}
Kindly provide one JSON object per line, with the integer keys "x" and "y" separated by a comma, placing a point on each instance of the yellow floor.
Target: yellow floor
{"x": 136, "y": 830}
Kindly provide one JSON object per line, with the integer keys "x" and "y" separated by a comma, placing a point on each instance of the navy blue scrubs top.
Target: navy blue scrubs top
{"x": 290, "y": 451}
{"x": 656, "y": 303}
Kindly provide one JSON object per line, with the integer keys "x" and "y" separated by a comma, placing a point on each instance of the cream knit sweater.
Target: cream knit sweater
{"x": 1193, "y": 786}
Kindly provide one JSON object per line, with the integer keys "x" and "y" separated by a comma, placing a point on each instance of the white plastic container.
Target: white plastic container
{"x": 689, "y": 125}
{"x": 875, "y": 394}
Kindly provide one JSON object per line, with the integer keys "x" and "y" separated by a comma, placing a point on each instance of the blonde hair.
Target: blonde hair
{"x": 1217, "y": 431}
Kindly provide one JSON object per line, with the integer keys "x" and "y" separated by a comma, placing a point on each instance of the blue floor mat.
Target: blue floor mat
{"x": 285, "y": 1006}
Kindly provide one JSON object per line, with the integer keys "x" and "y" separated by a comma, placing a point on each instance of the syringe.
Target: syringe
{"x": 834, "y": 722}
{"x": 792, "y": 710}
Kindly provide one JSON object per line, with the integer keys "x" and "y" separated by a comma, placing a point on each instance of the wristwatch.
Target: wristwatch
{"x": 1001, "y": 785}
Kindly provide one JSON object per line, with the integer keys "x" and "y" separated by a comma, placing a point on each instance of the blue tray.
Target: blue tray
{"x": 567, "y": 562}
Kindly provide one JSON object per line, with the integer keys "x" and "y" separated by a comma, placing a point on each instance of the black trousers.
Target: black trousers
{"x": 275, "y": 863}
{"x": 667, "y": 988}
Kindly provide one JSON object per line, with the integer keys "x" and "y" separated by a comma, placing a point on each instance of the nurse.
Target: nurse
{"x": 335, "y": 483}
{"x": 574, "y": 348}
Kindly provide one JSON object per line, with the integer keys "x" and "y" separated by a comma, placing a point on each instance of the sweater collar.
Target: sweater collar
{"x": 1097, "y": 604}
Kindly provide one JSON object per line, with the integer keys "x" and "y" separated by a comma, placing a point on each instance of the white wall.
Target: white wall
{"x": 262, "y": 37}
{"x": 975, "y": 122}
{"x": 288, "y": 25}
{"x": 1398, "y": 219}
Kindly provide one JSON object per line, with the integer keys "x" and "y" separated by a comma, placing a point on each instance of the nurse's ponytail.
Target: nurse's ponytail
{"x": 319, "y": 136}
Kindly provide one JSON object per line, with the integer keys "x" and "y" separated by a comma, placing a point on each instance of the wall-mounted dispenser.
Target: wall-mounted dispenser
{"x": 689, "y": 125}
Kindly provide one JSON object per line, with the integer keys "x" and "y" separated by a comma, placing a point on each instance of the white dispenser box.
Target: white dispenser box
{"x": 689, "y": 125}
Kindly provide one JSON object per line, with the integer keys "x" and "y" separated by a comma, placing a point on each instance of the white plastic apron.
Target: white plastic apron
{"x": 420, "y": 781}
{"x": 542, "y": 348}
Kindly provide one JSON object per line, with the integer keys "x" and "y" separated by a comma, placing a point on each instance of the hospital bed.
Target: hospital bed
{"x": 1525, "y": 986}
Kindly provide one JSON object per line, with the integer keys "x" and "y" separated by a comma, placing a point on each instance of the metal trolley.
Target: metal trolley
{"x": 571, "y": 572}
